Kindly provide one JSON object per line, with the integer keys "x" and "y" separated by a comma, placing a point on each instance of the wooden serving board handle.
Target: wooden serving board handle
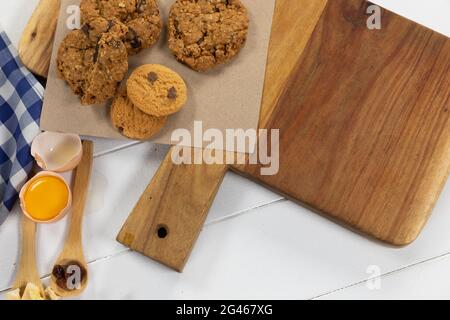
{"x": 35, "y": 46}
{"x": 169, "y": 216}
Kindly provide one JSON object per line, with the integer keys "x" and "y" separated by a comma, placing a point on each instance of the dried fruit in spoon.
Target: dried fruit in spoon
{"x": 69, "y": 276}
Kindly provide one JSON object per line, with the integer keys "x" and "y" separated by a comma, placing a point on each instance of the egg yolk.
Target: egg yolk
{"x": 46, "y": 198}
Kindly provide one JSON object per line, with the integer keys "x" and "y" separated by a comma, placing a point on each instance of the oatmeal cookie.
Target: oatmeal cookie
{"x": 142, "y": 17}
{"x": 131, "y": 121}
{"x": 157, "y": 90}
{"x": 206, "y": 33}
{"x": 93, "y": 60}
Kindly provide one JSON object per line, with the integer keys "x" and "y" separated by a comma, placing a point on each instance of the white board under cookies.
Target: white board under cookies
{"x": 228, "y": 97}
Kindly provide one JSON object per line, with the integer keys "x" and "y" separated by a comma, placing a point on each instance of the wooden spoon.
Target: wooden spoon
{"x": 35, "y": 46}
{"x": 27, "y": 271}
{"x": 70, "y": 277}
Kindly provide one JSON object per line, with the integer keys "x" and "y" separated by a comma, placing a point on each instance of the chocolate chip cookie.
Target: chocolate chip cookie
{"x": 142, "y": 17}
{"x": 94, "y": 60}
{"x": 206, "y": 33}
{"x": 157, "y": 90}
{"x": 131, "y": 121}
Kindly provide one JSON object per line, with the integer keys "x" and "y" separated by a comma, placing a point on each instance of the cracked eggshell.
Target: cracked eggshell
{"x": 57, "y": 152}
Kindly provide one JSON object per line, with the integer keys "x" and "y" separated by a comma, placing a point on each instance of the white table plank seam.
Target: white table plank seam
{"x": 216, "y": 221}
{"x": 113, "y": 150}
{"x": 245, "y": 211}
{"x": 96, "y": 260}
{"x": 384, "y": 275}
{"x": 240, "y": 214}
{"x": 351, "y": 285}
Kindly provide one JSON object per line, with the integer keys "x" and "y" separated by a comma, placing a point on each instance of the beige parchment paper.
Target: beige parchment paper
{"x": 228, "y": 97}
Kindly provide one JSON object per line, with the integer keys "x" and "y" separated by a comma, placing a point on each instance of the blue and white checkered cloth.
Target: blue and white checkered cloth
{"x": 20, "y": 111}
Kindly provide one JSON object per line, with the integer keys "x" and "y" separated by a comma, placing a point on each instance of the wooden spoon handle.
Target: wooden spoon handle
{"x": 27, "y": 270}
{"x": 82, "y": 176}
{"x": 35, "y": 46}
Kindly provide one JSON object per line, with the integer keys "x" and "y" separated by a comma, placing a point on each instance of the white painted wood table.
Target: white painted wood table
{"x": 255, "y": 244}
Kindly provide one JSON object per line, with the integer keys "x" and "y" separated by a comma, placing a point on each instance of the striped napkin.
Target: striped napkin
{"x": 20, "y": 110}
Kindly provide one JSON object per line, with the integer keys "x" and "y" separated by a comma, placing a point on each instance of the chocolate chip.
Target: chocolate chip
{"x": 85, "y": 28}
{"x": 111, "y": 23}
{"x": 96, "y": 53}
{"x": 152, "y": 77}
{"x": 135, "y": 43}
{"x": 172, "y": 94}
{"x": 132, "y": 36}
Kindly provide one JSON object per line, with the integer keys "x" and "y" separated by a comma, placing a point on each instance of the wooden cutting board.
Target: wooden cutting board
{"x": 365, "y": 123}
{"x": 364, "y": 131}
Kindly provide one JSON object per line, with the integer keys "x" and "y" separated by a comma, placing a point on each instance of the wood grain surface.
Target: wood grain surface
{"x": 293, "y": 24}
{"x": 35, "y": 46}
{"x": 169, "y": 216}
{"x": 364, "y": 119}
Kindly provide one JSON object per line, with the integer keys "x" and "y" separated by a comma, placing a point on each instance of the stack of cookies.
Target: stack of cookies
{"x": 152, "y": 93}
{"x": 93, "y": 60}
